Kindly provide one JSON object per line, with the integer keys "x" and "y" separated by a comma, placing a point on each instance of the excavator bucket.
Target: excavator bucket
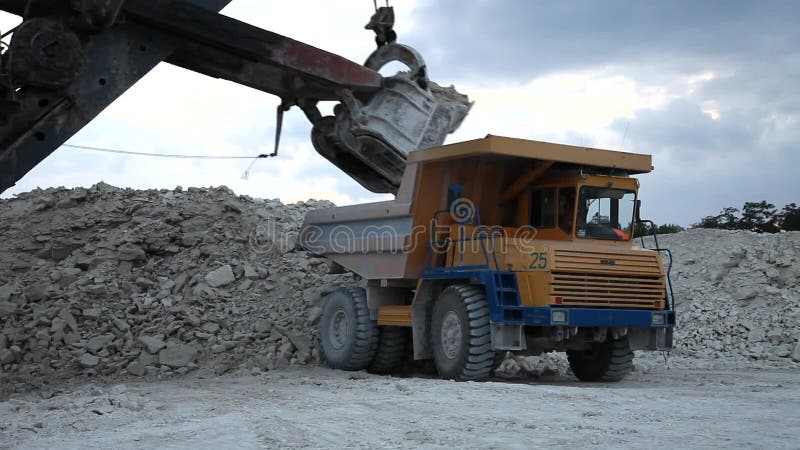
{"x": 370, "y": 138}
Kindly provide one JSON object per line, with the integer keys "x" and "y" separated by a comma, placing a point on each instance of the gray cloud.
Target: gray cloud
{"x": 703, "y": 165}
{"x": 750, "y": 152}
{"x": 523, "y": 39}
{"x": 683, "y": 132}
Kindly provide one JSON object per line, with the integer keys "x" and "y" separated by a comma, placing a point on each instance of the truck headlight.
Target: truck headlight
{"x": 558, "y": 316}
{"x": 658, "y": 319}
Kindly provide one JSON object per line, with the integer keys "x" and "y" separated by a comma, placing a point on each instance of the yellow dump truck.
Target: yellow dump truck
{"x": 495, "y": 245}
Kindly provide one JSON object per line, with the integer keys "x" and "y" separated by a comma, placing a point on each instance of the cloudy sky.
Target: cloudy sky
{"x": 709, "y": 88}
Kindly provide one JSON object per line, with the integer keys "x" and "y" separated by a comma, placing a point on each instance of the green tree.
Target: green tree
{"x": 644, "y": 230}
{"x": 759, "y": 217}
{"x": 669, "y": 228}
{"x": 790, "y": 217}
{"x": 647, "y": 230}
{"x": 727, "y": 219}
{"x": 708, "y": 222}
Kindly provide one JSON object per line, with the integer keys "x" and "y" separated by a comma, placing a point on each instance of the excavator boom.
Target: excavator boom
{"x": 68, "y": 60}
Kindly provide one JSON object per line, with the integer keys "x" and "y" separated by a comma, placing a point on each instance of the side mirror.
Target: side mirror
{"x": 637, "y": 211}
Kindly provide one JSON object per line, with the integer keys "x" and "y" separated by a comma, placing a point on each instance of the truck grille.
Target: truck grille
{"x": 606, "y": 279}
{"x": 645, "y": 263}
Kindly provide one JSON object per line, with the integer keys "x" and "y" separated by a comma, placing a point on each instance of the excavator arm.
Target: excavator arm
{"x": 69, "y": 59}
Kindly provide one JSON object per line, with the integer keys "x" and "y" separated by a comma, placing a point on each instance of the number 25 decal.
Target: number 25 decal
{"x": 539, "y": 260}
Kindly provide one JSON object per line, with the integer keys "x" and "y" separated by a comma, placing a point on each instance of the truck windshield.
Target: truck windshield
{"x": 605, "y": 213}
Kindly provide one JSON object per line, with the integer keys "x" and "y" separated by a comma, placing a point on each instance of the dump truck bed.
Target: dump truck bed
{"x": 389, "y": 239}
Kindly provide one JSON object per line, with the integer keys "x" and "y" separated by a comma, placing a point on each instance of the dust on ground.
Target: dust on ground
{"x": 317, "y": 407}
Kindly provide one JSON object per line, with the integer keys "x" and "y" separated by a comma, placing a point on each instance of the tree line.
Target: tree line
{"x": 647, "y": 230}
{"x": 761, "y": 217}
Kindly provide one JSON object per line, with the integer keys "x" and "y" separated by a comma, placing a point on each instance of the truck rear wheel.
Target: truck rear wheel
{"x": 462, "y": 343}
{"x": 349, "y": 338}
{"x": 607, "y": 361}
{"x": 392, "y": 349}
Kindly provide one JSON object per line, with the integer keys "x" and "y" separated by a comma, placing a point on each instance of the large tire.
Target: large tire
{"x": 460, "y": 333}
{"x": 608, "y": 361}
{"x": 349, "y": 338}
{"x": 392, "y": 350}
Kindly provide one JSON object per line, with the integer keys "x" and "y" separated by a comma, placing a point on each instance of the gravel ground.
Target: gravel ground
{"x": 321, "y": 408}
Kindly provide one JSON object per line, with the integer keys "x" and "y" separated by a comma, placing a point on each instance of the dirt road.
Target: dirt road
{"x": 316, "y": 407}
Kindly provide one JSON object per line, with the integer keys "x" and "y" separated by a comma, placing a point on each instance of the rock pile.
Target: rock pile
{"x": 737, "y": 293}
{"x": 113, "y": 281}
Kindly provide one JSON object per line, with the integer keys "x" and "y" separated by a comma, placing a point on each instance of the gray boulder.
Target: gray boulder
{"x": 91, "y": 313}
{"x": 37, "y": 292}
{"x": 7, "y": 309}
{"x": 152, "y": 344}
{"x": 6, "y": 356}
{"x": 136, "y": 368}
{"x": 69, "y": 319}
{"x": 300, "y": 341}
{"x": 221, "y": 277}
{"x": 250, "y": 272}
{"x": 6, "y": 291}
{"x": 129, "y": 252}
{"x": 178, "y": 355}
{"x": 88, "y": 360}
{"x": 314, "y": 315}
{"x": 98, "y": 343}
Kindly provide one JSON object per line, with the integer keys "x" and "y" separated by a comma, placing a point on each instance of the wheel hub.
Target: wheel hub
{"x": 338, "y": 328}
{"x": 451, "y": 335}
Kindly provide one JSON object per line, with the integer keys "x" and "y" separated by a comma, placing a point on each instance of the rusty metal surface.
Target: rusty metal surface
{"x": 35, "y": 65}
{"x": 36, "y": 120}
{"x": 246, "y": 47}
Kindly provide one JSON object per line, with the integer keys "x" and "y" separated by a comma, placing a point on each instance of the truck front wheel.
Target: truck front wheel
{"x": 349, "y": 338}
{"x": 462, "y": 343}
{"x": 606, "y": 361}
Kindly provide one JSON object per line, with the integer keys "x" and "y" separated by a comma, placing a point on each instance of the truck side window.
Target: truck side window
{"x": 566, "y": 208}
{"x": 543, "y": 207}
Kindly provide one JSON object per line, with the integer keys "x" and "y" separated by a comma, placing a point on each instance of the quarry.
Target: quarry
{"x": 135, "y": 319}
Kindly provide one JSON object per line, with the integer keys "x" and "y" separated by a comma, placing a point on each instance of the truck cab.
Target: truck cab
{"x": 496, "y": 245}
